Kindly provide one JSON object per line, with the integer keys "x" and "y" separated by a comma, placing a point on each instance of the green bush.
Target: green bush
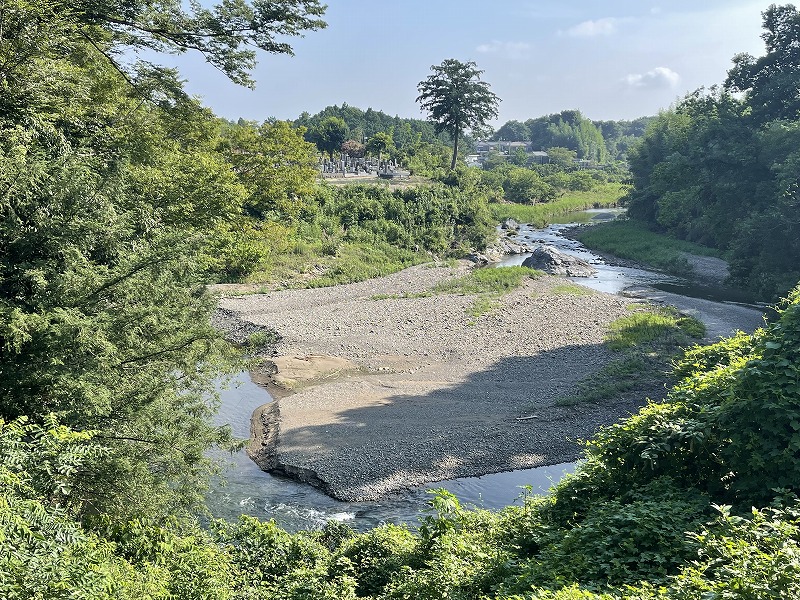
{"x": 377, "y": 556}
{"x": 640, "y": 534}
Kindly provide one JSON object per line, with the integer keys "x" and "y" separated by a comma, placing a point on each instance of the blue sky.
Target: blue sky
{"x": 611, "y": 59}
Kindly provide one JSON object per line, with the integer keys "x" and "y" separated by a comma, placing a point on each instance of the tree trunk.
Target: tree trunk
{"x": 455, "y": 151}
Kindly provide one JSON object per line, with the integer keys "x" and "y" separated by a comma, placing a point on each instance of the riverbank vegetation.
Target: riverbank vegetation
{"x": 121, "y": 198}
{"x": 631, "y": 239}
{"x": 605, "y": 195}
{"x": 644, "y": 344}
{"x": 352, "y": 231}
{"x": 692, "y": 497}
{"x": 720, "y": 168}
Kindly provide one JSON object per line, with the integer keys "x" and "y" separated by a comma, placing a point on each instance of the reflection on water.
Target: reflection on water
{"x": 250, "y": 491}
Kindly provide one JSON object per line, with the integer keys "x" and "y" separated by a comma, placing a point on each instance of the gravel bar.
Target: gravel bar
{"x": 437, "y": 393}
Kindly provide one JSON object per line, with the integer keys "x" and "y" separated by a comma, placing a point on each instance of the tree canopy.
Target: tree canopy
{"x": 722, "y": 170}
{"x": 329, "y": 135}
{"x": 226, "y": 34}
{"x": 109, "y": 196}
{"x": 457, "y": 100}
{"x": 771, "y": 83}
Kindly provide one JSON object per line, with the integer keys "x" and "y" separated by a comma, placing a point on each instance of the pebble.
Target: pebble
{"x": 441, "y": 391}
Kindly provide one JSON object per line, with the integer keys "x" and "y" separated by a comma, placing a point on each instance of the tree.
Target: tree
{"x": 105, "y": 207}
{"x": 276, "y": 165}
{"x": 329, "y": 135}
{"x": 519, "y": 157}
{"x": 526, "y": 186}
{"x": 457, "y": 100}
{"x": 353, "y": 148}
{"x": 379, "y": 143}
{"x": 225, "y": 34}
{"x": 772, "y": 82}
{"x": 563, "y": 157}
{"x": 513, "y": 131}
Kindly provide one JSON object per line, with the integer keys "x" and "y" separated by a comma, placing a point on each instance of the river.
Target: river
{"x": 294, "y": 506}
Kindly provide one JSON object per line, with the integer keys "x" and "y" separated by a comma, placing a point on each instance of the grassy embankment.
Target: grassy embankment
{"x": 632, "y": 240}
{"x": 645, "y": 345}
{"x": 540, "y": 215}
{"x": 322, "y": 252}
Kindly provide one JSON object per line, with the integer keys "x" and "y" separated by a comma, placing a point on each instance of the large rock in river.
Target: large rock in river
{"x": 552, "y": 260}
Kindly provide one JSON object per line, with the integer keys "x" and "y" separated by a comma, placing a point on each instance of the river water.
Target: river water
{"x": 294, "y": 506}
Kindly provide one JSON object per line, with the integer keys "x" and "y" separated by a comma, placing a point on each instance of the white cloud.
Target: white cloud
{"x": 658, "y": 78}
{"x": 505, "y": 49}
{"x": 606, "y": 26}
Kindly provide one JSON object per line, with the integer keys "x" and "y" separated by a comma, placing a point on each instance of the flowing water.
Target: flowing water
{"x": 614, "y": 279}
{"x": 297, "y": 506}
{"x": 250, "y": 491}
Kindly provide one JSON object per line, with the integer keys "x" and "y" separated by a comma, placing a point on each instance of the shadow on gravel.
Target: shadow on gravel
{"x": 417, "y": 429}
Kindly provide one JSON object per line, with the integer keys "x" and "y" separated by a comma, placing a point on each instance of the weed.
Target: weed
{"x": 482, "y": 306}
{"x": 488, "y": 281}
{"x": 571, "y": 289}
{"x": 646, "y": 342}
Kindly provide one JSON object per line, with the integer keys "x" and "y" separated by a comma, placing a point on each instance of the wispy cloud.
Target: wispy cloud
{"x": 605, "y": 26}
{"x": 658, "y": 78}
{"x": 506, "y": 49}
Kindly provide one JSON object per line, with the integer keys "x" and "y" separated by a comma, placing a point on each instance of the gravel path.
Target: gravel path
{"x": 436, "y": 393}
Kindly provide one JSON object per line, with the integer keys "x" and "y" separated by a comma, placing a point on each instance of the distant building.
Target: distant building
{"x": 484, "y": 148}
{"x": 538, "y": 157}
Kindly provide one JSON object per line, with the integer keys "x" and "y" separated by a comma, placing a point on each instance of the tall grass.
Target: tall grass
{"x": 632, "y": 240}
{"x": 488, "y": 285}
{"x": 488, "y": 281}
{"x": 539, "y": 215}
{"x": 645, "y": 344}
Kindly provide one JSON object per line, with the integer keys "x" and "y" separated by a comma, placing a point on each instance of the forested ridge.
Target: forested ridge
{"x": 601, "y": 141}
{"x": 122, "y": 198}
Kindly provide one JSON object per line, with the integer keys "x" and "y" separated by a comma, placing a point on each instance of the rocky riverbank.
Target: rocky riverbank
{"x": 392, "y": 388}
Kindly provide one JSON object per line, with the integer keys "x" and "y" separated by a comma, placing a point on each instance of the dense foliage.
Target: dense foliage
{"x": 105, "y": 202}
{"x": 694, "y": 497}
{"x": 415, "y": 143}
{"x": 537, "y": 184}
{"x": 119, "y": 195}
{"x": 591, "y": 140}
{"x": 364, "y": 124}
{"x": 722, "y": 169}
{"x": 364, "y": 231}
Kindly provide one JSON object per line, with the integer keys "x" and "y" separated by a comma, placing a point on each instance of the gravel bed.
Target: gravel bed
{"x": 438, "y": 394}
{"x": 441, "y": 394}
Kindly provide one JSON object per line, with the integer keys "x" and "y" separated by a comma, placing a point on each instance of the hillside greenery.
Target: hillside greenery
{"x": 415, "y": 143}
{"x": 592, "y": 140}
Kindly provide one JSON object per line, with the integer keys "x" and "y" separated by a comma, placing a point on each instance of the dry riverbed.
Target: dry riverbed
{"x": 389, "y": 390}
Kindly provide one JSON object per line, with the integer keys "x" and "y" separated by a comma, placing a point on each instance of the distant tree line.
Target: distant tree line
{"x": 597, "y": 141}
{"x": 591, "y": 140}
